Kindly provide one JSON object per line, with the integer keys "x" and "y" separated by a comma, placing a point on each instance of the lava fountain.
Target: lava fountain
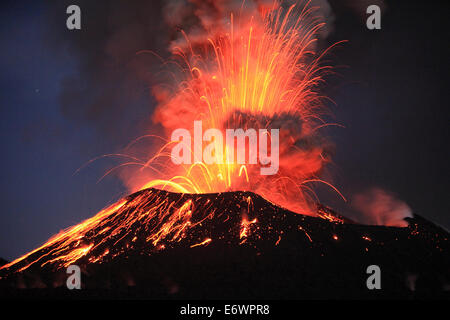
{"x": 261, "y": 73}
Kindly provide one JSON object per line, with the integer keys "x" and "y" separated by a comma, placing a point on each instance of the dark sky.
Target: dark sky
{"x": 69, "y": 96}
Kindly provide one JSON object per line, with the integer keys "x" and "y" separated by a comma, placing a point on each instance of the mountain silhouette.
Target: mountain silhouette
{"x": 157, "y": 244}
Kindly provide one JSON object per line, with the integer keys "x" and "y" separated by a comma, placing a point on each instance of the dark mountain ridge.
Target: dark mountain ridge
{"x": 159, "y": 244}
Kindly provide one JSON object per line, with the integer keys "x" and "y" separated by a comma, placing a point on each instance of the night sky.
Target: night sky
{"x": 69, "y": 96}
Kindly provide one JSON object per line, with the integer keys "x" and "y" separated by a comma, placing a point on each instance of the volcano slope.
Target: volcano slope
{"x": 235, "y": 245}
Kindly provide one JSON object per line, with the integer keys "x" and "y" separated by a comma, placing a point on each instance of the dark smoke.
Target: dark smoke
{"x": 109, "y": 92}
{"x": 200, "y": 19}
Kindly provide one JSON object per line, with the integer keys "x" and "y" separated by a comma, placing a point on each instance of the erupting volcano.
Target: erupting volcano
{"x": 221, "y": 229}
{"x": 263, "y": 71}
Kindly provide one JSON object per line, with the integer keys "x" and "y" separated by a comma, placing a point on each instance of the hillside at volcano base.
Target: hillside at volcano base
{"x": 233, "y": 245}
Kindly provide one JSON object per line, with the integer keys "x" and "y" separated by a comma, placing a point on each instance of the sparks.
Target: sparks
{"x": 206, "y": 241}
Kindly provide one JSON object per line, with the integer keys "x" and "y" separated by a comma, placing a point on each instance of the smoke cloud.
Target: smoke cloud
{"x": 202, "y": 19}
{"x": 379, "y": 207}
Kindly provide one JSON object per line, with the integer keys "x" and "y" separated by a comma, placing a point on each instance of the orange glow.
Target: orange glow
{"x": 206, "y": 241}
{"x": 245, "y": 226}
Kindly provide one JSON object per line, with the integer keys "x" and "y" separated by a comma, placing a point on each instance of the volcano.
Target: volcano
{"x": 157, "y": 244}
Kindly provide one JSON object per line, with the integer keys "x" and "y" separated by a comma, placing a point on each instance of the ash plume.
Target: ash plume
{"x": 112, "y": 89}
{"x": 379, "y": 207}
